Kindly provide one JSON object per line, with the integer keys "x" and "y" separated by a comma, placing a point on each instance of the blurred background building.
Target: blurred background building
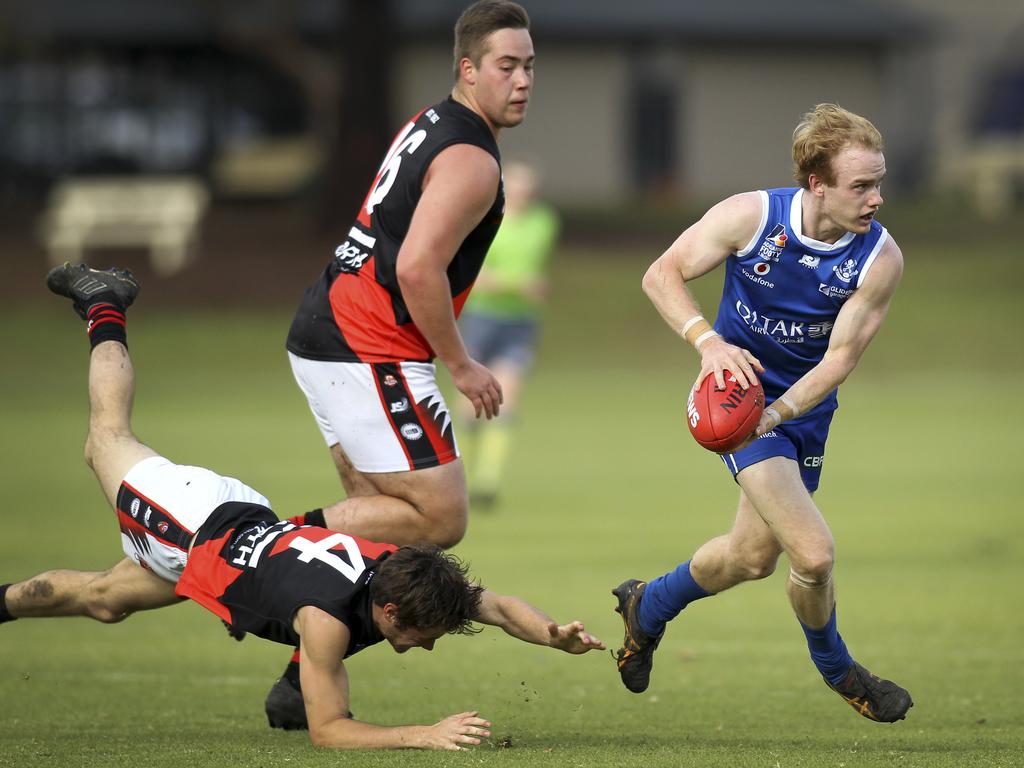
{"x": 650, "y": 100}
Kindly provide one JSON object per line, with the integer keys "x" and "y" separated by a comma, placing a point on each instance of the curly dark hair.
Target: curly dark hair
{"x": 430, "y": 587}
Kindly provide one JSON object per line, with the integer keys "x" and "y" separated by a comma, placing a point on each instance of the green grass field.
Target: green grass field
{"x": 605, "y": 484}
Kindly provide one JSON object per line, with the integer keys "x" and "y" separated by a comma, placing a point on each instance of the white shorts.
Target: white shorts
{"x": 387, "y": 417}
{"x": 161, "y": 505}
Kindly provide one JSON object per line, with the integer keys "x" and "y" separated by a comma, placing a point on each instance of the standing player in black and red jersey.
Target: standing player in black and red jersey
{"x": 362, "y": 343}
{"x": 190, "y": 533}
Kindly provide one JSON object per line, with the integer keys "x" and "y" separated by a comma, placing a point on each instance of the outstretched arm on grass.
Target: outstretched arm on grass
{"x": 520, "y": 619}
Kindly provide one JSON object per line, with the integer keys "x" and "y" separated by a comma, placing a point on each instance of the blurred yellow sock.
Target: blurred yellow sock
{"x": 492, "y": 444}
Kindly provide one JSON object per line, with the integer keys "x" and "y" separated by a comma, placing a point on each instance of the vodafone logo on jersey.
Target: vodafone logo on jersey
{"x": 760, "y": 268}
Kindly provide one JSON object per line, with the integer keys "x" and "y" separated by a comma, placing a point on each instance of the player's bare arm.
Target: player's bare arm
{"x": 459, "y": 188}
{"x": 727, "y": 227}
{"x": 856, "y": 325}
{"x": 325, "y": 691}
{"x": 525, "y": 622}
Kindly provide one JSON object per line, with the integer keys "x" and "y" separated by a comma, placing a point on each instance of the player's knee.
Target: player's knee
{"x": 447, "y": 534}
{"x": 91, "y": 450}
{"x": 106, "y": 614}
{"x": 97, "y": 444}
{"x": 813, "y": 569}
{"x": 445, "y": 524}
{"x": 101, "y": 601}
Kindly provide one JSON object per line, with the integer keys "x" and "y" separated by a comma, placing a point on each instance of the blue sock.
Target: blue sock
{"x": 828, "y": 651}
{"x": 665, "y": 596}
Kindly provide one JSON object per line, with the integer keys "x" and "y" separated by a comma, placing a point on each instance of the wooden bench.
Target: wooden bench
{"x": 992, "y": 170}
{"x": 161, "y": 214}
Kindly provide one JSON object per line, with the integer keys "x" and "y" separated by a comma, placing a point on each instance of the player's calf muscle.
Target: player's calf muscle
{"x": 55, "y": 593}
{"x": 754, "y": 566}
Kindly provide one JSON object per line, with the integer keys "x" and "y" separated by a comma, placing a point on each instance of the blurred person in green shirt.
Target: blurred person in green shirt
{"x": 500, "y": 321}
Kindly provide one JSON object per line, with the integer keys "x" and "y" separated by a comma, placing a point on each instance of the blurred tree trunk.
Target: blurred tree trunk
{"x": 346, "y": 86}
{"x": 365, "y": 126}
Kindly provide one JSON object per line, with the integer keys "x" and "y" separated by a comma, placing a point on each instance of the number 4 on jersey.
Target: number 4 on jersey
{"x": 321, "y": 550}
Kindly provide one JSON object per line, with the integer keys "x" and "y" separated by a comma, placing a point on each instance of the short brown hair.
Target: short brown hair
{"x": 477, "y": 23}
{"x": 821, "y": 134}
{"x": 430, "y": 589}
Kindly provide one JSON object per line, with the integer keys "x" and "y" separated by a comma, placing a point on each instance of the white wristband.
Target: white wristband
{"x": 690, "y": 323}
{"x": 703, "y": 337}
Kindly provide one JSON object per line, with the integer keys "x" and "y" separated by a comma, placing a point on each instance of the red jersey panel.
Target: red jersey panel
{"x": 355, "y": 312}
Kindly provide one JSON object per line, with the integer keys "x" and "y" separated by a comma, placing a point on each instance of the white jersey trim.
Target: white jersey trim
{"x": 796, "y": 223}
{"x": 364, "y": 240}
{"x": 760, "y": 227}
{"x": 871, "y": 256}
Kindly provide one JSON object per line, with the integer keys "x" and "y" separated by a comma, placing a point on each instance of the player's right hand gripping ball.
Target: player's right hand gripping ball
{"x": 720, "y": 420}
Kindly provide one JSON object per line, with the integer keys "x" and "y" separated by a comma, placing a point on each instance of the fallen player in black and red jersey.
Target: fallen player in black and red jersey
{"x": 190, "y": 533}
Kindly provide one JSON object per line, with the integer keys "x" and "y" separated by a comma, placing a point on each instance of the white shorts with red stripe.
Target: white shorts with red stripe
{"x": 387, "y": 417}
{"x": 161, "y": 505}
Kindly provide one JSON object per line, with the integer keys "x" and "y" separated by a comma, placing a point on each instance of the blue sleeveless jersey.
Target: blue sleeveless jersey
{"x": 782, "y": 292}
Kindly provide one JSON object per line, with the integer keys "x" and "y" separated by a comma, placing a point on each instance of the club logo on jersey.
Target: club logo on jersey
{"x": 847, "y": 270}
{"x": 350, "y": 257}
{"x": 134, "y": 509}
{"x": 774, "y": 244}
{"x": 811, "y": 262}
{"x": 834, "y": 292}
{"x": 390, "y": 381}
{"x": 820, "y": 330}
{"x": 354, "y": 252}
{"x": 162, "y": 526}
{"x": 411, "y": 431}
{"x": 399, "y": 406}
{"x": 782, "y": 331}
{"x": 762, "y": 268}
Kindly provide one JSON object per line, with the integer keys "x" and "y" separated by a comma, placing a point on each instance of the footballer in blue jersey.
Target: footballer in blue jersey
{"x": 810, "y": 275}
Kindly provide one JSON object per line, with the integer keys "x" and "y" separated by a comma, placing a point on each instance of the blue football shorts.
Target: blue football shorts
{"x": 801, "y": 439}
